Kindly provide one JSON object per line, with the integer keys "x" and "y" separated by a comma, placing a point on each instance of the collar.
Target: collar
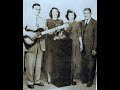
{"x": 87, "y": 21}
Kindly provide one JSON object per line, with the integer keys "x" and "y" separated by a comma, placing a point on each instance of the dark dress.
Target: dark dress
{"x": 50, "y": 63}
{"x": 73, "y": 32}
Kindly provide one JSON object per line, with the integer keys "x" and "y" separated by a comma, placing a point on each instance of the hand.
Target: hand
{"x": 39, "y": 36}
{"x": 55, "y": 38}
{"x": 94, "y": 52}
{"x": 66, "y": 25}
{"x": 50, "y": 33}
{"x": 81, "y": 48}
{"x": 58, "y": 28}
{"x": 60, "y": 33}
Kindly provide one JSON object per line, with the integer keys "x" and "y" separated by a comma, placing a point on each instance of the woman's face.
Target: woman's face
{"x": 54, "y": 13}
{"x": 71, "y": 16}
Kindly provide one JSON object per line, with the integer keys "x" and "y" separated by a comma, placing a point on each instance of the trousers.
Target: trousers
{"x": 34, "y": 56}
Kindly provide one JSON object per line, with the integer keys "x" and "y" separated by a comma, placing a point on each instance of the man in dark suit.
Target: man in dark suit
{"x": 89, "y": 37}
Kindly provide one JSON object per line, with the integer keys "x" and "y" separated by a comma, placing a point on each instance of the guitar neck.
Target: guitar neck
{"x": 49, "y": 31}
{"x": 54, "y": 29}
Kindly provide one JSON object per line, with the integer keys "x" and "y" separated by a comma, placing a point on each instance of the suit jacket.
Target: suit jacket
{"x": 89, "y": 35}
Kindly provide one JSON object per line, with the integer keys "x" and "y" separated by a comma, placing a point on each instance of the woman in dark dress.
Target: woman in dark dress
{"x": 49, "y": 55}
{"x": 74, "y": 32}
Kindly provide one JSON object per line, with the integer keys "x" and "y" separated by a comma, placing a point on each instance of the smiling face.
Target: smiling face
{"x": 71, "y": 16}
{"x": 36, "y": 10}
{"x": 87, "y": 14}
{"x": 54, "y": 13}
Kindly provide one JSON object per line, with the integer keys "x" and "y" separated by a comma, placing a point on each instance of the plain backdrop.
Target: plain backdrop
{"x": 63, "y": 5}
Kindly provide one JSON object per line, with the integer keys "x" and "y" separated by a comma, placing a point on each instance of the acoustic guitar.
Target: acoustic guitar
{"x": 40, "y": 34}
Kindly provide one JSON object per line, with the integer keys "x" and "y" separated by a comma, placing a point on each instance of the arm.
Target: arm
{"x": 80, "y": 40}
{"x": 95, "y": 37}
{"x": 95, "y": 40}
{"x": 79, "y": 32}
{"x": 28, "y": 33}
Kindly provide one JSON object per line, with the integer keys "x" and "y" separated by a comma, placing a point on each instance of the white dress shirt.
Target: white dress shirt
{"x": 30, "y": 22}
{"x": 87, "y": 21}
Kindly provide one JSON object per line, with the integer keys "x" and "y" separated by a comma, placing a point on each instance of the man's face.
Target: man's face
{"x": 71, "y": 16}
{"x": 87, "y": 14}
{"x": 36, "y": 10}
{"x": 54, "y": 13}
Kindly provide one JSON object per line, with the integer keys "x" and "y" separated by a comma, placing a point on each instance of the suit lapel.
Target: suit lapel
{"x": 89, "y": 24}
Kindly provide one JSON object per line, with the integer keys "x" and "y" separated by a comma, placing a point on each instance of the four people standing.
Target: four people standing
{"x": 84, "y": 45}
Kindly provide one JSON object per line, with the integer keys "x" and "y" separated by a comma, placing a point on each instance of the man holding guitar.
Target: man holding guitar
{"x": 34, "y": 46}
{"x": 34, "y": 32}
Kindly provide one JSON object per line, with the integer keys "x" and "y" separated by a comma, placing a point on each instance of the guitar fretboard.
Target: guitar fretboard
{"x": 48, "y": 31}
{"x": 51, "y": 30}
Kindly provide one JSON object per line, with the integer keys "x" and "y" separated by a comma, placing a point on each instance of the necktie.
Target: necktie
{"x": 86, "y": 24}
{"x": 37, "y": 23}
{"x": 37, "y": 26}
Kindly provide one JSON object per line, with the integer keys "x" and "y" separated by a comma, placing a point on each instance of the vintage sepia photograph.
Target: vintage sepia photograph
{"x": 59, "y": 44}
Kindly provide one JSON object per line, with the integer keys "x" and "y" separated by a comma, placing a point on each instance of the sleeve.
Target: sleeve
{"x": 45, "y": 24}
{"x": 81, "y": 28}
{"x": 62, "y": 22}
{"x": 78, "y": 30}
{"x": 62, "y": 30}
{"x": 95, "y": 37}
{"x": 46, "y": 28}
{"x": 57, "y": 33}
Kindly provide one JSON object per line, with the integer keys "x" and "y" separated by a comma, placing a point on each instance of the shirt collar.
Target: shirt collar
{"x": 87, "y": 21}
{"x": 34, "y": 16}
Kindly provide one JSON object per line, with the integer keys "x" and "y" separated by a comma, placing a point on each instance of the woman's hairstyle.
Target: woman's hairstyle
{"x": 70, "y": 11}
{"x": 50, "y": 14}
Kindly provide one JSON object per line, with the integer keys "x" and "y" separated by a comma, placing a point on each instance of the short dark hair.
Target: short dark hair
{"x": 87, "y": 9}
{"x": 50, "y": 14}
{"x": 35, "y": 4}
{"x": 70, "y": 11}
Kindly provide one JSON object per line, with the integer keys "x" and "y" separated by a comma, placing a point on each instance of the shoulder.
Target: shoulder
{"x": 94, "y": 21}
{"x": 75, "y": 23}
{"x": 60, "y": 20}
{"x": 81, "y": 21}
{"x": 48, "y": 20}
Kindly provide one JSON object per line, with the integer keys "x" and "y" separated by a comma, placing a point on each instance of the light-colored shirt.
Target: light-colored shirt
{"x": 30, "y": 22}
{"x": 87, "y": 21}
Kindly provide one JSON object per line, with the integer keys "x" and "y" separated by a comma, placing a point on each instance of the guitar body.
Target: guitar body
{"x": 40, "y": 34}
{"x": 29, "y": 41}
